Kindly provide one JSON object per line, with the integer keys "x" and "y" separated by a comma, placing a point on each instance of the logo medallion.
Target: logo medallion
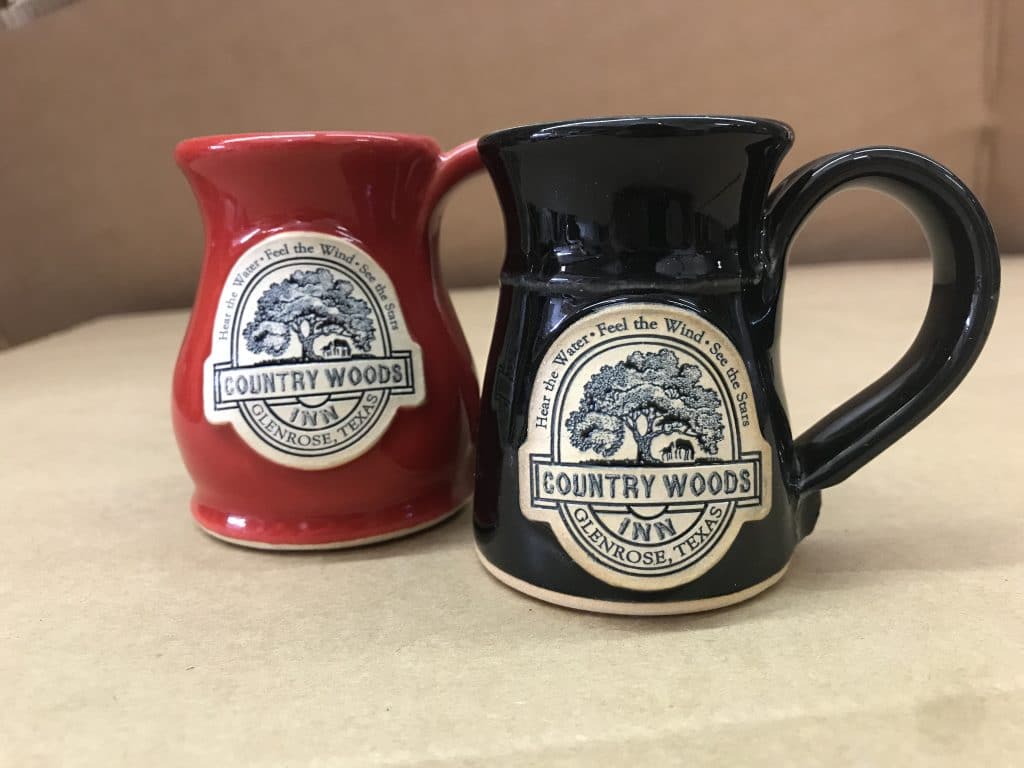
{"x": 643, "y": 450}
{"x": 311, "y": 357}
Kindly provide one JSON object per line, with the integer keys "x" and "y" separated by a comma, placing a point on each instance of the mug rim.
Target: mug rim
{"x": 679, "y": 125}
{"x": 190, "y": 148}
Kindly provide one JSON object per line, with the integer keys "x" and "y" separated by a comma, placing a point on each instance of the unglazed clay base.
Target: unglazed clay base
{"x": 347, "y": 544}
{"x": 628, "y": 609}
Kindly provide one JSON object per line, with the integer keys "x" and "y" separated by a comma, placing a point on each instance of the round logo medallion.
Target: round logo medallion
{"x": 311, "y": 357}
{"x": 643, "y": 450}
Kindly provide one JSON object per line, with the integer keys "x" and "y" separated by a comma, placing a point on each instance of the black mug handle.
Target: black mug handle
{"x": 965, "y": 290}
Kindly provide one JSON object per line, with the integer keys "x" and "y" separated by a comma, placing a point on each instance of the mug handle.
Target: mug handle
{"x": 452, "y": 167}
{"x": 965, "y": 291}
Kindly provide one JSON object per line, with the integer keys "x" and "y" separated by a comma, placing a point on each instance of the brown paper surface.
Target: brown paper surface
{"x": 128, "y": 637}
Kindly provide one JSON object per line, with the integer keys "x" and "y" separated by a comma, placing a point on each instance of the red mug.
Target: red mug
{"x": 324, "y": 395}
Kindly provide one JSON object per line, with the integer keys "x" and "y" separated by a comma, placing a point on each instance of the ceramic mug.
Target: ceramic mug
{"x": 324, "y": 395}
{"x": 635, "y": 455}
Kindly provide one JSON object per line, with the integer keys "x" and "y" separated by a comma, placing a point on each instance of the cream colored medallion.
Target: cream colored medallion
{"x": 643, "y": 450}
{"x": 310, "y": 356}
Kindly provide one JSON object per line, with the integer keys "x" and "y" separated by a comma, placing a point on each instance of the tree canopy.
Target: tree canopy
{"x": 310, "y": 304}
{"x": 647, "y": 395}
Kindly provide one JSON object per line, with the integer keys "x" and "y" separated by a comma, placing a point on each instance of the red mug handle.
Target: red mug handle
{"x": 452, "y": 167}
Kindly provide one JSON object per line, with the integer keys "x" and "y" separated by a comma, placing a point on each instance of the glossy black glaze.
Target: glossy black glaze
{"x": 677, "y": 210}
{"x": 965, "y": 291}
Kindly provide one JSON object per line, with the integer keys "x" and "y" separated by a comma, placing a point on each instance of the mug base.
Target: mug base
{"x": 214, "y": 526}
{"x": 621, "y": 608}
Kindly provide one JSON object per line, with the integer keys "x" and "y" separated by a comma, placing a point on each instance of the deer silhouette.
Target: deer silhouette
{"x": 683, "y": 449}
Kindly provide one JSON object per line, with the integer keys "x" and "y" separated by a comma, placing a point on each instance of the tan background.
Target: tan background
{"x": 95, "y": 217}
{"x": 128, "y": 638}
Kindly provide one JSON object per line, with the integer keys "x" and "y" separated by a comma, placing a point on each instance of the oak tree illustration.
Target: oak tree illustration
{"x": 648, "y": 394}
{"x": 310, "y": 304}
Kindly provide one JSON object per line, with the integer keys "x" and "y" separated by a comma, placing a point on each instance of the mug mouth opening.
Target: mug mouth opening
{"x": 191, "y": 148}
{"x": 637, "y": 125}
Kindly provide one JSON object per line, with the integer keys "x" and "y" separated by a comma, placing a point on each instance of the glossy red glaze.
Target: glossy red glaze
{"x": 382, "y": 192}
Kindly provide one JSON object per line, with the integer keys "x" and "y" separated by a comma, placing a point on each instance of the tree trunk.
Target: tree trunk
{"x": 307, "y": 348}
{"x": 637, "y": 440}
{"x": 643, "y": 449}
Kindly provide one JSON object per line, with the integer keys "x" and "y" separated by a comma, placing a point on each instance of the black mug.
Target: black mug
{"x": 635, "y": 454}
